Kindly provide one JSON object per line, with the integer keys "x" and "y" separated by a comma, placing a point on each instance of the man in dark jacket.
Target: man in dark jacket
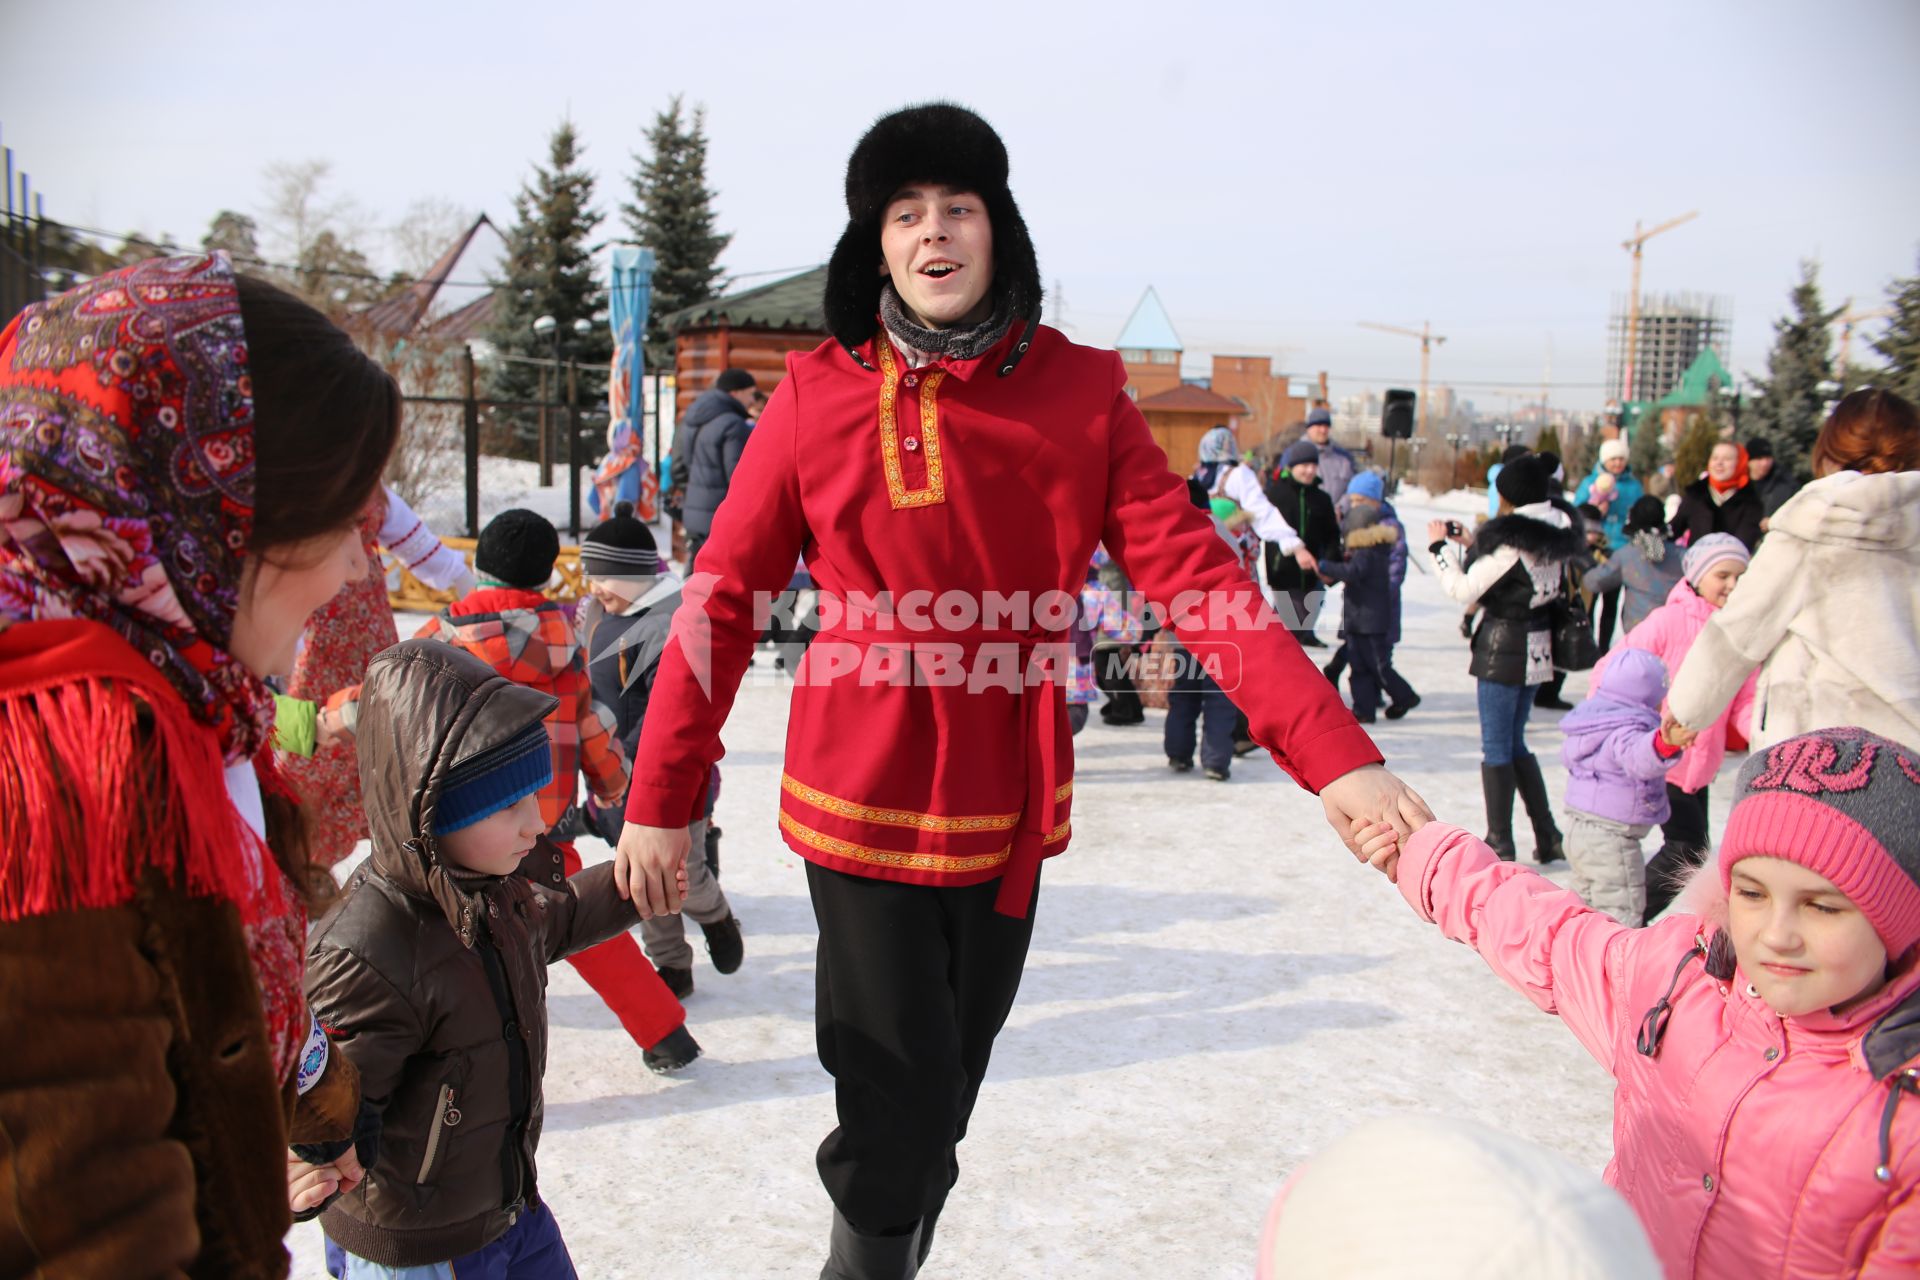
{"x": 1767, "y": 479}
{"x": 1294, "y": 490}
{"x": 707, "y": 450}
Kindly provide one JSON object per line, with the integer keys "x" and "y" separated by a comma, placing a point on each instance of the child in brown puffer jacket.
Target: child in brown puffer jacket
{"x": 430, "y": 973}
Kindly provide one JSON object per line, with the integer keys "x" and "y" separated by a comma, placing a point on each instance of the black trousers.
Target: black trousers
{"x": 912, "y": 984}
{"x": 1110, "y": 674}
{"x": 1373, "y": 674}
{"x": 1683, "y": 847}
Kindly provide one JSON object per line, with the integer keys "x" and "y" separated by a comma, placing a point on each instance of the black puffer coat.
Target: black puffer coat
{"x": 1513, "y": 573}
{"x": 712, "y": 436}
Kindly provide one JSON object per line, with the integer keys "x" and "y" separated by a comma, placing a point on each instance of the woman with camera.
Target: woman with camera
{"x": 1513, "y": 569}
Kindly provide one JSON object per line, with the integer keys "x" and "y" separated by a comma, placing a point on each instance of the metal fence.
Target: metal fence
{"x": 21, "y": 280}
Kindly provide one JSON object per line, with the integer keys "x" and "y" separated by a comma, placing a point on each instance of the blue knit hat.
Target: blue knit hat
{"x": 495, "y": 779}
{"x": 1367, "y": 485}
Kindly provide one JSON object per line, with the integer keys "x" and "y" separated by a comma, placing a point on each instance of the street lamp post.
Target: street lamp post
{"x": 1456, "y": 439}
{"x": 581, "y": 328}
{"x": 547, "y": 327}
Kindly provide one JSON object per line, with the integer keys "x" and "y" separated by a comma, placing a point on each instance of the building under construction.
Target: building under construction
{"x": 1674, "y": 329}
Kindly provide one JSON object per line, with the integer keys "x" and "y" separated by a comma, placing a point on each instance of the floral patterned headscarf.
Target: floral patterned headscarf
{"x": 126, "y": 475}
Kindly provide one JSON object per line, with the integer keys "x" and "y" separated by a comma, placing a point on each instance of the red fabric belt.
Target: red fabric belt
{"x": 1041, "y": 715}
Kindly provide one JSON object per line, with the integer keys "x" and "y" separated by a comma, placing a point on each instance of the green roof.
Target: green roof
{"x": 797, "y": 302}
{"x": 1696, "y": 385}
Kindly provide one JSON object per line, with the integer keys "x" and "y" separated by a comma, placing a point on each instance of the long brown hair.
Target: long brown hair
{"x": 325, "y": 419}
{"x": 1871, "y": 431}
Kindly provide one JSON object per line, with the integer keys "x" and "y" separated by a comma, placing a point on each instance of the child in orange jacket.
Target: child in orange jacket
{"x": 509, "y": 624}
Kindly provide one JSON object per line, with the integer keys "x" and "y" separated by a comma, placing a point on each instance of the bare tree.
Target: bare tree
{"x": 425, "y": 231}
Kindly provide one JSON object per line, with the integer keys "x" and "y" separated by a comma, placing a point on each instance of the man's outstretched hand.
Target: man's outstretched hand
{"x": 650, "y": 867}
{"x": 1369, "y": 796}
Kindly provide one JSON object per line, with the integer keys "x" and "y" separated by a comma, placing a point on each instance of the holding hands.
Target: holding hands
{"x": 1379, "y": 847}
{"x": 311, "y": 1185}
{"x": 1673, "y": 733}
{"x": 1371, "y": 800}
{"x": 650, "y": 867}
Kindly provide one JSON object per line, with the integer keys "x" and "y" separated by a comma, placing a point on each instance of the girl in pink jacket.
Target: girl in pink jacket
{"x": 1712, "y": 566}
{"x": 1761, "y": 1052}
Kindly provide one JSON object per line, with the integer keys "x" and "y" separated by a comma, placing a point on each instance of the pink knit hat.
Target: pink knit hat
{"x": 1843, "y": 803}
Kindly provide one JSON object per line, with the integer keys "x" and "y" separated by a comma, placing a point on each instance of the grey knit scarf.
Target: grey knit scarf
{"x": 954, "y": 344}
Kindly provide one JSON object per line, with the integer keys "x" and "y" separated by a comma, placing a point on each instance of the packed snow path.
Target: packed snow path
{"x": 1216, "y": 990}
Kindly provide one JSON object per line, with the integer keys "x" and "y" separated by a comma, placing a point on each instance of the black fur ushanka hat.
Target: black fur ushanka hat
{"x": 932, "y": 142}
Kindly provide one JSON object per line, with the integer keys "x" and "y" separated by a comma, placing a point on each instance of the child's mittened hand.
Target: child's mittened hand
{"x": 1379, "y": 846}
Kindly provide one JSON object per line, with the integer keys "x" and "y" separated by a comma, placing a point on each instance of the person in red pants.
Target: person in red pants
{"x": 508, "y": 624}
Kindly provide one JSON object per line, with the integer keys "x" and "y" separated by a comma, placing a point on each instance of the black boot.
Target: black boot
{"x": 724, "y": 943}
{"x": 1667, "y": 873}
{"x": 1533, "y": 793}
{"x": 1548, "y": 694}
{"x": 854, "y": 1256}
{"x": 1496, "y": 786}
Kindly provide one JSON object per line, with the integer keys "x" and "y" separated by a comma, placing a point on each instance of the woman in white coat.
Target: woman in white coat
{"x": 1830, "y": 610}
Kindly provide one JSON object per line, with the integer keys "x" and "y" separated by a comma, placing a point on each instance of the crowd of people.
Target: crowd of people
{"x": 191, "y": 640}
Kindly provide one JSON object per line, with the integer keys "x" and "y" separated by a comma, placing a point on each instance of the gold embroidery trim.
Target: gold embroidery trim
{"x": 889, "y": 857}
{"x": 898, "y": 495}
{"x": 893, "y": 817}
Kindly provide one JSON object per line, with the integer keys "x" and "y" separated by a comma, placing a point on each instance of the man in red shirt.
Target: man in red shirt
{"x": 946, "y": 466}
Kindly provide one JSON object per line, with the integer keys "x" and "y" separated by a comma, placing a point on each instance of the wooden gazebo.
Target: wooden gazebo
{"x": 752, "y": 330}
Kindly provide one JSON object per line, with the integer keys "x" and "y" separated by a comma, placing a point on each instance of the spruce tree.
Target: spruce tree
{"x": 549, "y": 272}
{"x": 672, "y": 214}
{"x": 1690, "y": 455}
{"x": 1790, "y": 406}
{"x": 1899, "y": 346}
{"x": 1646, "y": 447}
{"x": 239, "y": 235}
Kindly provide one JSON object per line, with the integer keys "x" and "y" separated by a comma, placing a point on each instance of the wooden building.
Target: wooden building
{"x": 752, "y": 330}
{"x": 1180, "y": 415}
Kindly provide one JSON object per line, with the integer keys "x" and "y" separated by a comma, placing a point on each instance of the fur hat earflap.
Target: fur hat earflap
{"x": 932, "y": 142}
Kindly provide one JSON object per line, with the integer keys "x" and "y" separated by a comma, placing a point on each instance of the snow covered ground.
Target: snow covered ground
{"x": 1216, "y": 991}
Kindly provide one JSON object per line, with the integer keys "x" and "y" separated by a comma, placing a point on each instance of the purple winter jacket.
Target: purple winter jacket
{"x": 1613, "y": 768}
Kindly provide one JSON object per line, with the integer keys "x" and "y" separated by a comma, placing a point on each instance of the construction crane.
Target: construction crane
{"x": 1634, "y": 246}
{"x": 1847, "y": 319}
{"x": 1428, "y": 340}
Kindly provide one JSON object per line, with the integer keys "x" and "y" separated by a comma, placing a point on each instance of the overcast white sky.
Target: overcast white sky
{"x": 1278, "y": 171}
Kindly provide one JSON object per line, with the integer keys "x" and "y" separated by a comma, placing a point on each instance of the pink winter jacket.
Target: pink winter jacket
{"x": 1667, "y": 633}
{"x": 1748, "y": 1144}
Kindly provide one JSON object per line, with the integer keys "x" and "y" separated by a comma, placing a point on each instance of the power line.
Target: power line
{"x": 168, "y": 247}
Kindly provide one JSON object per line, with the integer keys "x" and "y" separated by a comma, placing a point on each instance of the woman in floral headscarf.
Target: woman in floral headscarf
{"x": 184, "y": 457}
